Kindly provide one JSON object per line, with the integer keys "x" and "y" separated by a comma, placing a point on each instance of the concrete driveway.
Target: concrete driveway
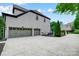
{"x": 42, "y": 46}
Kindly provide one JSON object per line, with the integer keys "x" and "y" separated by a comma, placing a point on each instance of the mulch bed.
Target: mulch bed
{"x": 1, "y": 47}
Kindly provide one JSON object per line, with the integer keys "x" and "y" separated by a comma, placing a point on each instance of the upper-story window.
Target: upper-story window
{"x": 44, "y": 20}
{"x": 36, "y": 17}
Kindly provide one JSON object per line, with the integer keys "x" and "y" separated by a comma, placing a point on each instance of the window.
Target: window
{"x": 36, "y": 17}
{"x": 44, "y": 20}
{"x": 10, "y": 28}
{"x": 17, "y": 28}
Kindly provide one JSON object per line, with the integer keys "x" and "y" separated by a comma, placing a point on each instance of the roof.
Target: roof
{"x": 37, "y": 11}
{"x": 24, "y": 12}
{"x": 19, "y": 8}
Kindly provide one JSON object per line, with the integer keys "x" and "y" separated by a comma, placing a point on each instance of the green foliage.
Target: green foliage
{"x": 76, "y": 22}
{"x": 1, "y": 27}
{"x": 1, "y": 22}
{"x": 76, "y": 31}
{"x": 71, "y": 8}
{"x": 55, "y": 27}
{"x": 1, "y": 34}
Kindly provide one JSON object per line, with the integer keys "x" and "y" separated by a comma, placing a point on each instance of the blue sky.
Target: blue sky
{"x": 45, "y": 8}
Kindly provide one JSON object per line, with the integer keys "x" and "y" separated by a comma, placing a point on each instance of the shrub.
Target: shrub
{"x": 76, "y": 22}
{"x": 1, "y": 27}
{"x": 1, "y": 34}
{"x": 57, "y": 29}
{"x": 76, "y": 31}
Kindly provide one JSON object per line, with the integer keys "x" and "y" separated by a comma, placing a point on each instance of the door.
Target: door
{"x": 19, "y": 32}
{"x": 36, "y": 32}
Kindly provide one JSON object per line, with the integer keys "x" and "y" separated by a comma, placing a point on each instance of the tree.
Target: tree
{"x": 72, "y": 8}
{"x": 53, "y": 26}
{"x": 1, "y": 27}
{"x": 76, "y": 22}
{"x": 69, "y": 8}
{"x": 57, "y": 29}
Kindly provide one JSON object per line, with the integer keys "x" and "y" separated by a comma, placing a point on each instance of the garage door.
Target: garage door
{"x": 36, "y": 31}
{"x": 19, "y": 32}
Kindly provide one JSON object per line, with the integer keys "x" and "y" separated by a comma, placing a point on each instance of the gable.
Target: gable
{"x": 17, "y": 12}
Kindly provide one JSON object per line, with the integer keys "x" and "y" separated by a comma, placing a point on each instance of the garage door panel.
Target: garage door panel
{"x": 28, "y": 32}
{"x": 36, "y": 31}
{"x": 20, "y": 32}
{"x": 12, "y": 33}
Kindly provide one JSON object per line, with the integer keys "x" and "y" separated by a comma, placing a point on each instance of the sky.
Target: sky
{"x": 45, "y": 8}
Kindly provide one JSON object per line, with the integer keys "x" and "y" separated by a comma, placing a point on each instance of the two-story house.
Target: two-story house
{"x": 25, "y": 22}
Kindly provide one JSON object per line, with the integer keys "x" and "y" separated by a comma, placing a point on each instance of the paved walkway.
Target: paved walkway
{"x": 42, "y": 46}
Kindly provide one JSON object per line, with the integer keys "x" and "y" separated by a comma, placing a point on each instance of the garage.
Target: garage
{"x": 36, "y": 32}
{"x": 19, "y": 32}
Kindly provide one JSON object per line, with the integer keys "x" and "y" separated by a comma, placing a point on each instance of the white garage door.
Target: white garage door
{"x": 36, "y": 31}
{"x": 19, "y": 32}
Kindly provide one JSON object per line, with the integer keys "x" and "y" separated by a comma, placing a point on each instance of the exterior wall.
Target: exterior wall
{"x": 28, "y": 21}
{"x": 16, "y": 12}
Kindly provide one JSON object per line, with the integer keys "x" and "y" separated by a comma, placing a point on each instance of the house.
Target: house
{"x": 25, "y": 22}
{"x": 66, "y": 28}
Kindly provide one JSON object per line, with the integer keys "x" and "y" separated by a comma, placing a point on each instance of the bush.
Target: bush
{"x": 57, "y": 29}
{"x": 1, "y": 34}
{"x": 76, "y": 31}
{"x": 76, "y": 22}
{"x": 1, "y": 27}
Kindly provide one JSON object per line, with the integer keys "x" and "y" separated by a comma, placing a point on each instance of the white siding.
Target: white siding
{"x": 28, "y": 21}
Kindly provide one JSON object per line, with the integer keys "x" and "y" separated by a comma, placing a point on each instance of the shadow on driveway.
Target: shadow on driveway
{"x": 1, "y": 47}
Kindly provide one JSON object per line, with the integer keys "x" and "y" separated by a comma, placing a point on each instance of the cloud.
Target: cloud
{"x": 20, "y": 3}
{"x": 50, "y": 10}
{"x": 39, "y": 10}
{"x": 6, "y": 9}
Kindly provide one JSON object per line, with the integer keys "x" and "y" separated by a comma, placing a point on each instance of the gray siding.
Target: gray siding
{"x": 28, "y": 21}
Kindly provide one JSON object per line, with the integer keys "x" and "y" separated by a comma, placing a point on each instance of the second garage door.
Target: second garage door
{"x": 19, "y": 32}
{"x": 36, "y": 32}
